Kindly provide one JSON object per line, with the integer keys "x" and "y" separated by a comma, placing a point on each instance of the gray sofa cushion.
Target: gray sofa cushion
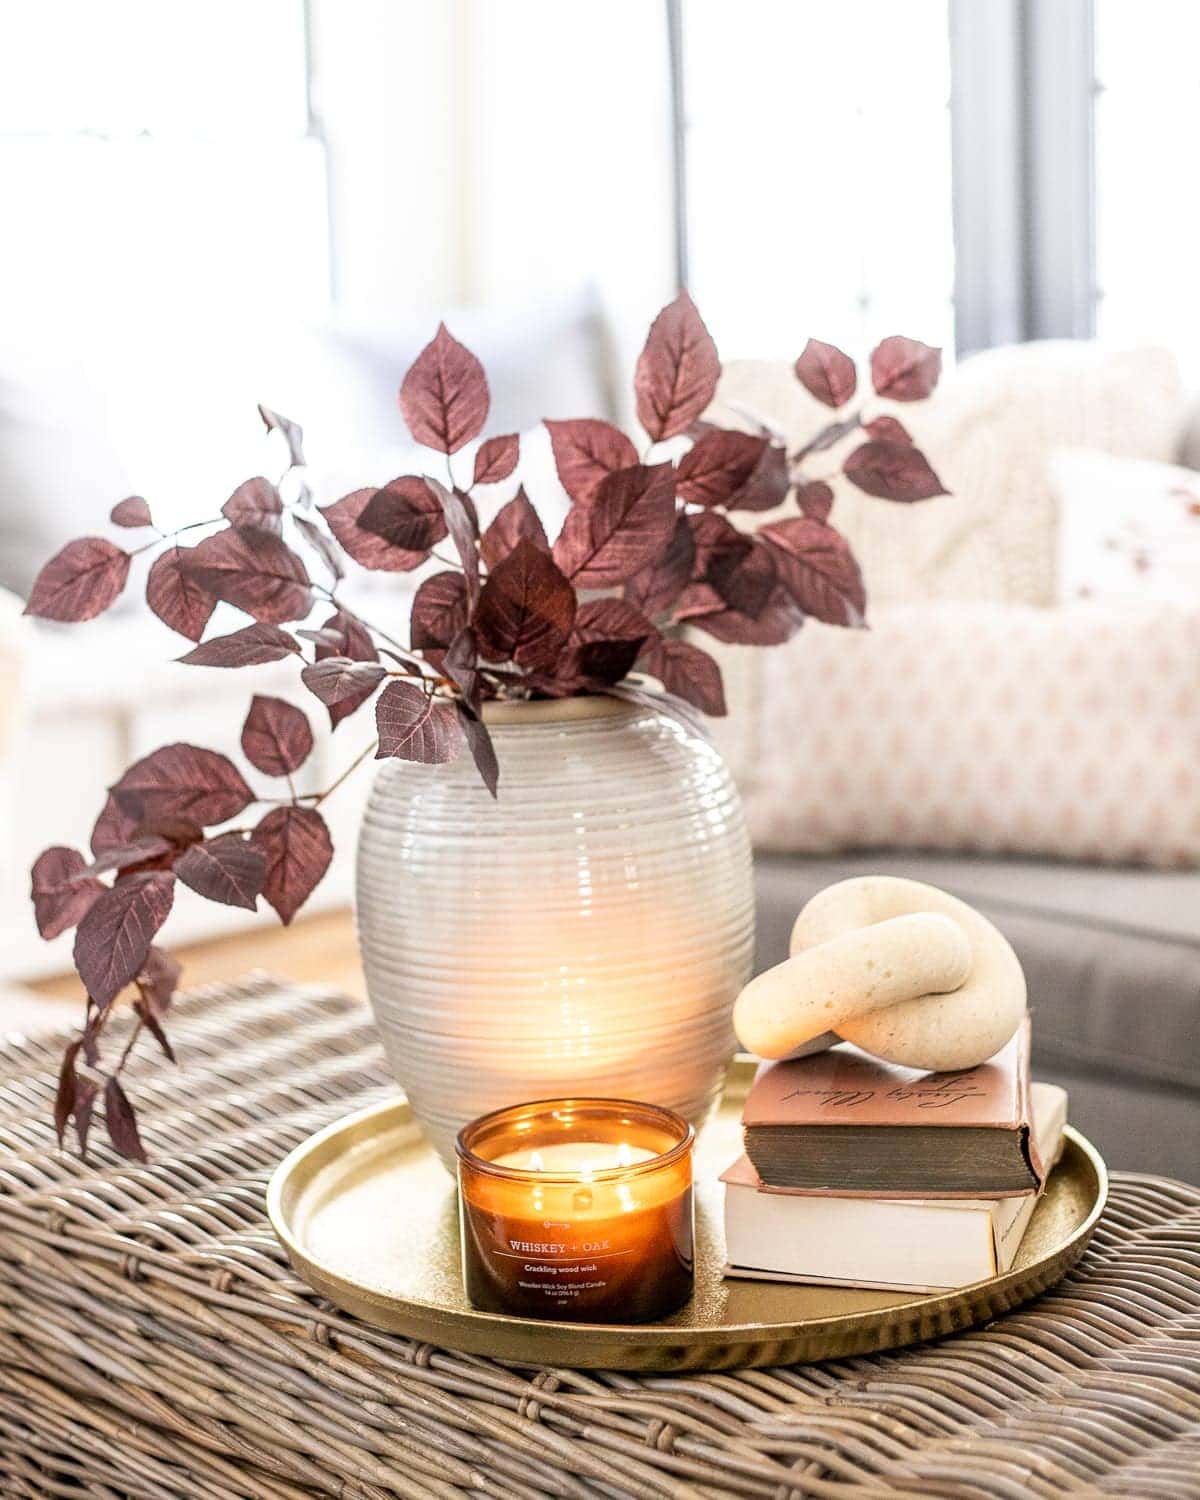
{"x": 1112, "y": 956}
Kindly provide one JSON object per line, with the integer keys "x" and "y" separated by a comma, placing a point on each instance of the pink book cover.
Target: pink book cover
{"x": 846, "y": 1086}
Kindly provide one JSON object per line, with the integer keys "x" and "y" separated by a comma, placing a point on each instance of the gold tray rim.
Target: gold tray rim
{"x": 663, "y": 1346}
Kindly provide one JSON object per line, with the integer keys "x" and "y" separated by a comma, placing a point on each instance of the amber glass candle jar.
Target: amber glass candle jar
{"x": 578, "y": 1210}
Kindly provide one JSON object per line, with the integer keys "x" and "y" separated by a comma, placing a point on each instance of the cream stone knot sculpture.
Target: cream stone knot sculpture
{"x": 902, "y": 970}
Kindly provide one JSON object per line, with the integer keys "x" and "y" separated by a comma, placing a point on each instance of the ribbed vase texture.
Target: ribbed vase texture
{"x": 585, "y": 934}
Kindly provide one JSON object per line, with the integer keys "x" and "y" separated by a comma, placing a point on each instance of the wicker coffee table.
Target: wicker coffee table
{"x": 154, "y": 1341}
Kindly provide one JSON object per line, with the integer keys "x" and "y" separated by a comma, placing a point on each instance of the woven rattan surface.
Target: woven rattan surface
{"x": 154, "y": 1342}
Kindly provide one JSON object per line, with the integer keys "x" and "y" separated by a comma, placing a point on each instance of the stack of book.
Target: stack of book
{"x": 861, "y": 1173}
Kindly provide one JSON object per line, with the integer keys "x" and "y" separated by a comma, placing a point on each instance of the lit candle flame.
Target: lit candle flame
{"x": 535, "y": 1162}
{"x": 624, "y": 1155}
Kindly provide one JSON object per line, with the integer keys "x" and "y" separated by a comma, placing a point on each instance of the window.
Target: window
{"x": 172, "y": 142}
{"x": 818, "y": 172}
{"x": 1147, "y": 121}
{"x": 164, "y": 201}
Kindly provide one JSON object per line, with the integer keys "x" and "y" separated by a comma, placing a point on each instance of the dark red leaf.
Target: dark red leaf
{"x": 463, "y": 524}
{"x": 826, "y": 373}
{"x": 471, "y": 514}
{"x": 253, "y": 570}
{"x": 745, "y": 582}
{"x": 444, "y": 398}
{"x": 414, "y": 725}
{"x": 324, "y": 546}
{"x": 276, "y": 737}
{"x": 587, "y": 451}
{"x": 655, "y": 588}
{"x": 887, "y": 430}
{"x": 292, "y": 432}
{"x": 115, "y": 936}
{"x": 526, "y": 609}
{"x": 697, "y": 599}
{"x": 252, "y": 646}
{"x": 324, "y": 635}
{"x": 607, "y": 638}
{"x": 346, "y": 635}
{"x": 497, "y": 458}
{"x": 777, "y": 622}
{"x": 717, "y": 467}
{"x": 255, "y": 503}
{"x": 406, "y": 513}
{"x": 61, "y": 893}
{"x": 154, "y": 1026}
{"x": 91, "y": 1034}
{"x": 513, "y": 521}
{"x": 298, "y": 848}
{"x": 479, "y": 742}
{"x": 719, "y": 545}
{"x": 158, "y": 980}
{"x": 702, "y": 604}
{"x": 356, "y": 643}
{"x": 80, "y": 582}
{"x": 818, "y": 569}
{"x": 146, "y": 847}
{"x": 183, "y": 781}
{"x": 768, "y": 485}
{"x": 677, "y": 370}
{"x": 623, "y": 529}
{"x": 460, "y": 662}
{"x": 893, "y": 471}
{"x": 905, "y": 369}
{"x": 180, "y": 832}
{"x": 121, "y": 1122}
{"x": 230, "y": 869}
{"x": 113, "y": 827}
{"x": 133, "y": 513}
{"x": 815, "y": 499}
{"x": 175, "y": 596}
{"x": 336, "y": 678}
{"x": 688, "y": 672}
{"x": 439, "y": 611}
{"x": 367, "y": 549}
{"x": 86, "y": 1090}
{"x": 67, "y": 1092}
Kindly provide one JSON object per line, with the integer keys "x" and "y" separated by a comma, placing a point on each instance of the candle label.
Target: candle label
{"x": 625, "y": 1271}
{"x": 562, "y": 1270}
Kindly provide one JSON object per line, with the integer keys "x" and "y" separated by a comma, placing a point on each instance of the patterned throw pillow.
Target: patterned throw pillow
{"x": 1128, "y": 529}
{"x": 1071, "y": 732}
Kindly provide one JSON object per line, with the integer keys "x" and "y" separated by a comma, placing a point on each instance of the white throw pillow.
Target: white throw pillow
{"x": 1128, "y": 529}
{"x": 1069, "y": 732}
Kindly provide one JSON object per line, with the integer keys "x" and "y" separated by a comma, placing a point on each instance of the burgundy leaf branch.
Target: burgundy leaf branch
{"x": 657, "y": 552}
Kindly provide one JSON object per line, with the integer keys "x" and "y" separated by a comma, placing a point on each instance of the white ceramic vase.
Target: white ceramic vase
{"x": 585, "y": 934}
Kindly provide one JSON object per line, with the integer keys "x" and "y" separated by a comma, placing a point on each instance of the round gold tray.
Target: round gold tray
{"x": 368, "y": 1217}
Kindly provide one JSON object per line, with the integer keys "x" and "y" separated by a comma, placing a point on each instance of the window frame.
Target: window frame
{"x": 1023, "y": 170}
{"x": 1022, "y": 128}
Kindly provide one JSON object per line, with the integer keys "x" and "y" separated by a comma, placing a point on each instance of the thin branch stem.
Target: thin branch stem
{"x": 129, "y": 1045}
{"x": 831, "y": 433}
{"x": 348, "y": 772}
